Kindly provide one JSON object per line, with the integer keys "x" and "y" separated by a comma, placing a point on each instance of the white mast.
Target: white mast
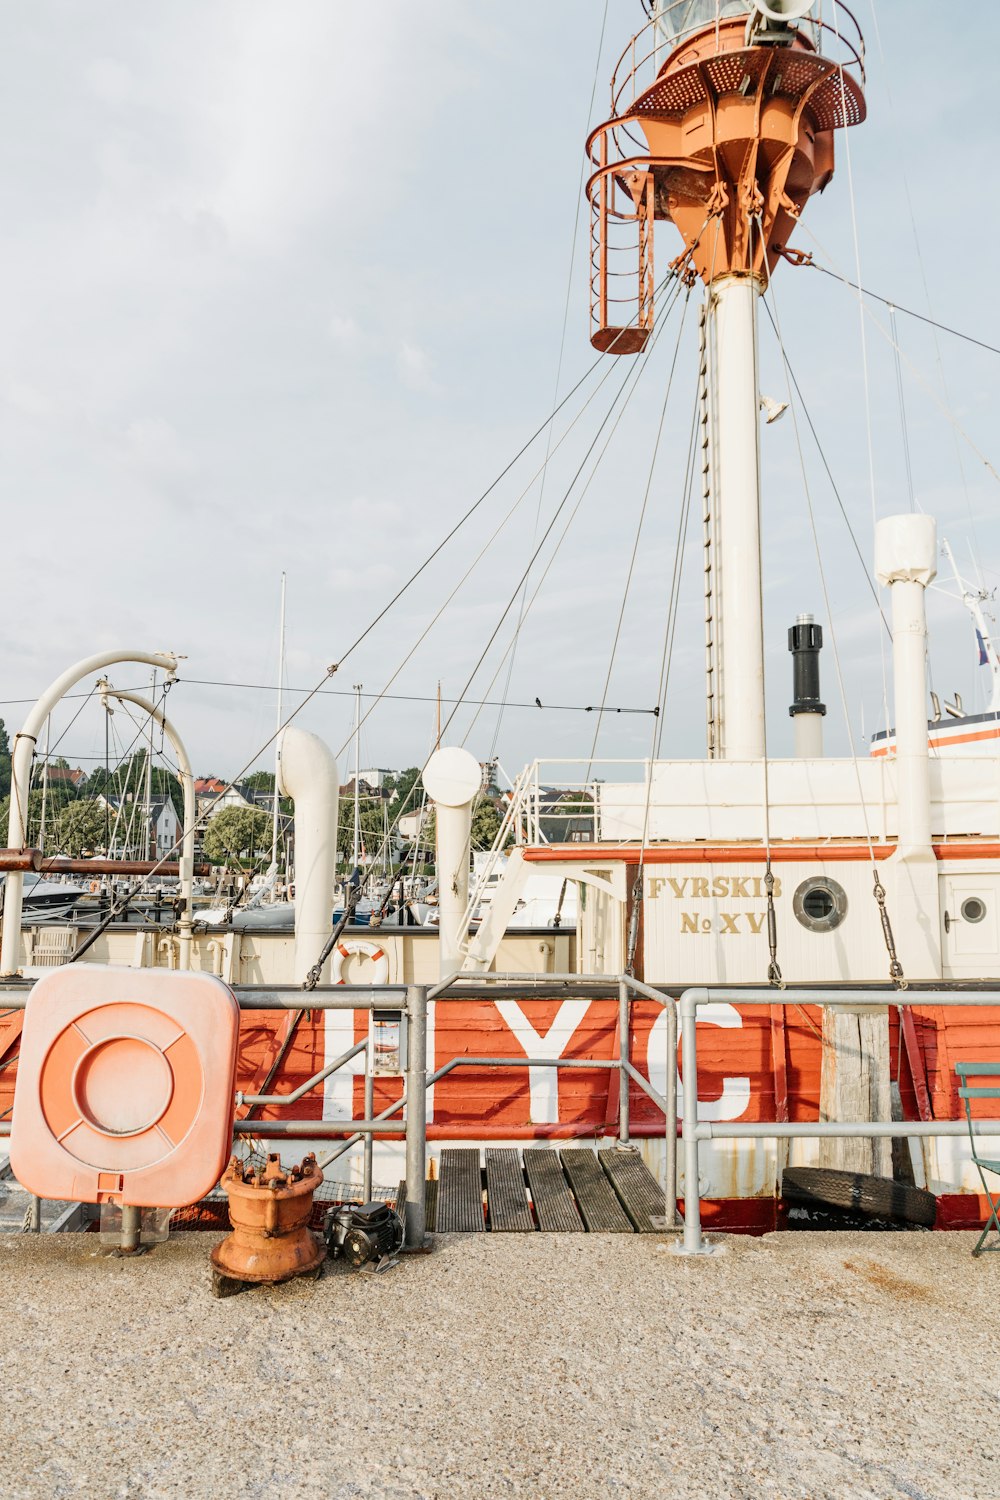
{"x": 277, "y": 743}
{"x": 148, "y": 836}
{"x": 734, "y": 445}
{"x": 357, "y": 775}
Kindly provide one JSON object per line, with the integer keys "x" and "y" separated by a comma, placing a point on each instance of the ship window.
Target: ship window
{"x": 820, "y": 904}
{"x": 973, "y": 909}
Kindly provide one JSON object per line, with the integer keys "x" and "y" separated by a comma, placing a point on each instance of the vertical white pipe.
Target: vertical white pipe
{"x": 185, "y": 776}
{"x": 808, "y": 736}
{"x": 905, "y": 561}
{"x": 307, "y": 772}
{"x": 734, "y": 414}
{"x": 20, "y": 774}
{"x": 452, "y": 778}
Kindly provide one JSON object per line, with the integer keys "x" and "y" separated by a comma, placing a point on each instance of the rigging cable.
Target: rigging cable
{"x": 866, "y": 373}
{"x": 626, "y": 390}
{"x": 895, "y": 968}
{"x": 638, "y": 536}
{"x": 556, "y": 549}
{"x": 559, "y": 367}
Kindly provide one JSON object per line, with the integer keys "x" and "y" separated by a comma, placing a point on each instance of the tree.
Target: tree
{"x": 79, "y": 828}
{"x": 260, "y": 781}
{"x": 237, "y": 833}
{"x": 59, "y": 796}
{"x": 372, "y": 825}
{"x": 407, "y": 791}
{"x": 486, "y": 821}
{"x": 128, "y": 781}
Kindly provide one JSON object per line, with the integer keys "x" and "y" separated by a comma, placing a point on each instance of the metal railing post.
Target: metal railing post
{"x": 693, "y": 1243}
{"x": 624, "y": 1007}
{"x": 416, "y": 1116}
{"x": 670, "y": 1172}
{"x": 369, "y": 1146}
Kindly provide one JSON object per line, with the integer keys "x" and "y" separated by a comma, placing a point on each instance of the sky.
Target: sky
{"x": 285, "y": 288}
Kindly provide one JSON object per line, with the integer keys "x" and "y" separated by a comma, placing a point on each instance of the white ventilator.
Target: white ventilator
{"x": 452, "y": 779}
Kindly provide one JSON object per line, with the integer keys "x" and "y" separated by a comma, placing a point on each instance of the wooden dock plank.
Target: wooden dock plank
{"x": 637, "y": 1189}
{"x": 596, "y": 1199}
{"x": 506, "y": 1200}
{"x": 555, "y": 1206}
{"x": 460, "y": 1195}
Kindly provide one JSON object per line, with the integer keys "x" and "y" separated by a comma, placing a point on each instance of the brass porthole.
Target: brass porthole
{"x": 820, "y": 903}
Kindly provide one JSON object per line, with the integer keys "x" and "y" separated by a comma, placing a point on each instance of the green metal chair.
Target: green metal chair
{"x": 984, "y": 1164}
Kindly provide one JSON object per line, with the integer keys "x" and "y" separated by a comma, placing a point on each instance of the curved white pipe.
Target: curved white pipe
{"x": 22, "y": 755}
{"x": 452, "y": 778}
{"x": 307, "y": 772}
{"x": 185, "y": 776}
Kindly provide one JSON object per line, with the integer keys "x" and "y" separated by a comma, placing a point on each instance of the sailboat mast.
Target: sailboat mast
{"x": 149, "y": 852}
{"x": 973, "y": 601}
{"x": 357, "y": 775}
{"x": 281, "y": 682}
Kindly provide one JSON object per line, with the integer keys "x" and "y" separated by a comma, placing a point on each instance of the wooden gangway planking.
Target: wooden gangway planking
{"x": 596, "y": 1198}
{"x": 460, "y": 1195}
{"x": 555, "y": 1206}
{"x": 607, "y": 1192}
{"x": 506, "y": 1198}
{"x": 638, "y": 1190}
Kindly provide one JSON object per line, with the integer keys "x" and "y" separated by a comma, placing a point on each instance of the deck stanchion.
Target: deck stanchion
{"x": 624, "y": 1007}
{"x": 670, "y": 1172}
{"x": 369, "y": 1146}
{"x": 416, "y": 1116}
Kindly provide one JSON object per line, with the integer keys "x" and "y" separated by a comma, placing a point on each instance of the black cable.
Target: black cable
{"x": 908, "y": 311}
{"x": 829, "y": 474}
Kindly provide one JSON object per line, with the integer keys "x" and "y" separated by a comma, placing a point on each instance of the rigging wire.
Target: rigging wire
{"x": 908, "y": 312}
{"x": 852, "y": 198}
{"x": 638, "y": 536}
{"x": 904, "y": 177}
{"x": 829, "y": 472}
{"x": 565, "y": 532}
{"x": 633, "y": 375}
{"x": 484, "y": 550}
{"x": 559, "y": 367}
{"x": 902, "y": 413}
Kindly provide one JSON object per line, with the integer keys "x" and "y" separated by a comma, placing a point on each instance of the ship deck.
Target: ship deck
{"x": 557, "y": 1365}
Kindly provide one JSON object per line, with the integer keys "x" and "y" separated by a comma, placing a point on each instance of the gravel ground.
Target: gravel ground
{"x": 520, "y": 1365}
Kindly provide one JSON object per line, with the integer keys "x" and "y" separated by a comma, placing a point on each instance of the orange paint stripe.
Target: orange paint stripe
{"x": 948, "y": 739}
{"x": 736, "y": 854}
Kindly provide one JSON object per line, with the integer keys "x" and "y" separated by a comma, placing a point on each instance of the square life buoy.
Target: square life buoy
{"x": 125, "y": 1087}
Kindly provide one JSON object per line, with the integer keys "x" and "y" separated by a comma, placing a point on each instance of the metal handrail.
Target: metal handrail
{"x": 694, "y": 1130}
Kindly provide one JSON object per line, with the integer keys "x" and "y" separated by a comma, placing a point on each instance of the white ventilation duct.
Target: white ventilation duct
{"x": 307, "y": 772}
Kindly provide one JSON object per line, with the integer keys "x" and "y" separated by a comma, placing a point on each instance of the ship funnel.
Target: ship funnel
{"x": 805, "y": 641}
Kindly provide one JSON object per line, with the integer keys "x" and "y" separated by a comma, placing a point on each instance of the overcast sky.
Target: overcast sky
{"x": 282, "y": 287}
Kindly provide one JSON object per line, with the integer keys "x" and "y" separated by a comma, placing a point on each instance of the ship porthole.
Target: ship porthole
{"x": 820, "y": 904}
{"x": 973, "y": 909}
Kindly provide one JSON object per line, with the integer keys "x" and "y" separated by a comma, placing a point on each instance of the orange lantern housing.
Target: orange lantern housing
{"x": 724, "y": 124}
{"x": 125, "y": 1086}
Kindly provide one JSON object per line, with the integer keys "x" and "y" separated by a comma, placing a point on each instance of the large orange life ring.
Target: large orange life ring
{"x": 354, "y": 947}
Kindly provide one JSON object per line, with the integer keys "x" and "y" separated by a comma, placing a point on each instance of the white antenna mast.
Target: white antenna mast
{"x": 281, "y": 682}
{"x": 974, "y": 599}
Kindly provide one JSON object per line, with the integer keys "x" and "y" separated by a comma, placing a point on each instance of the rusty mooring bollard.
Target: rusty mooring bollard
{"x": 269, "y": 1209}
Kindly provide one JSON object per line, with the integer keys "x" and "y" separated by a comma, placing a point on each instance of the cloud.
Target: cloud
{"x": 413, "y": 366}
{"x": 344, "y": 330}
